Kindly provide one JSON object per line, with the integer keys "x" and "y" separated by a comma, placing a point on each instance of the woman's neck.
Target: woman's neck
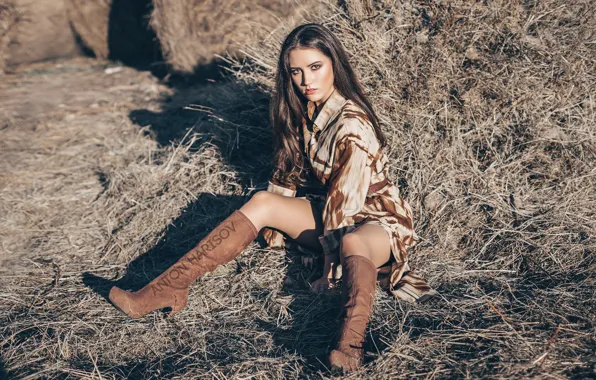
{"x": 322, "y": 102}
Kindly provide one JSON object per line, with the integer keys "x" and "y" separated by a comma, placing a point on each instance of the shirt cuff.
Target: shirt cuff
{"x": 280, "y": 190}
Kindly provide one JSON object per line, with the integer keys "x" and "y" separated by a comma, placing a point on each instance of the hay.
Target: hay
{"x": 489, "y": 112}
{"x": 90, "y": 20}
{"x": 490, "y": 118}
{"x": 8, "y": 18}
{"x": 117, "y": 30}
{"x": 192, "y": 32}
{"x": 42, "y": 32}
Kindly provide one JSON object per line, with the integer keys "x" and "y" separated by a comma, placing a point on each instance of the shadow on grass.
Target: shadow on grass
{"x": 233, "y": 117}
{"x": 228, "y": 114}
{"x": 314, "y": 318}
{"x": 312, "y": 323}
{"x": 195, "y": 222}
{"x": 3, "y": 373}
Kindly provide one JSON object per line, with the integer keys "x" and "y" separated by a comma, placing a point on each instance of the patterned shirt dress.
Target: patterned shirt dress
{"x": 348, "y": 163}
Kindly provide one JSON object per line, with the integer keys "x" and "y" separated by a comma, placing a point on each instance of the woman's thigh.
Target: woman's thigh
{"x": 296, "y": 217}
{"x": 368, "y": 240}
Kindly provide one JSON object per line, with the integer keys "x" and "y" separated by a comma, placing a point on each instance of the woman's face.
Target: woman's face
{"x": 312, "y": 74}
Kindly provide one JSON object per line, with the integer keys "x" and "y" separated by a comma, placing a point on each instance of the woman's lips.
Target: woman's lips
{"x": 310, "y": 91}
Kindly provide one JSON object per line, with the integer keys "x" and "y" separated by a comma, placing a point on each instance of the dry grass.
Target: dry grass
{"x": 192, "y": 32}
{"x": 489, "y": 110}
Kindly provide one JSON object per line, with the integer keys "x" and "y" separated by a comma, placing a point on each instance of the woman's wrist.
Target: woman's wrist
{"x": 329, "y": 266}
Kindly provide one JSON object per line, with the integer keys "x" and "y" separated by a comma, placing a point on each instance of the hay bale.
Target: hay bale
{"x": 90, "y": 19}
{"x": 192, "y": 32}
{"x": 41, "y": 32}
{"x": 8, "y": 18}
{"x": 115, "y": 29}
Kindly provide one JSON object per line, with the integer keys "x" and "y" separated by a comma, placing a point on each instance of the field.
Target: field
{"x": 109, "y": 174}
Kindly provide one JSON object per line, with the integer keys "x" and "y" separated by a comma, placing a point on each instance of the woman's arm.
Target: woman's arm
{"x": 348, "y": 186}
{"x": 329, "y": 266}
{"x": 327, "y": 280}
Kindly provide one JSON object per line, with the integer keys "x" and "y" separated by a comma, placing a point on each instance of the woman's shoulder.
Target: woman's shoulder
{"x": 352, "y": 111}
{"x": 355, "y": 124}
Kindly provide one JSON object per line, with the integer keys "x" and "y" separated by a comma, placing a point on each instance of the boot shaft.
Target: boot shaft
{"x": 358, "y": 289}
{"x": 220, "y": 246}
{"x": 170, "y": 289}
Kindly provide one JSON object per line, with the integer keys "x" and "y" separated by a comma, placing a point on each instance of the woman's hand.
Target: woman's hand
{"x": 323, "y": 284}
{"x": 327, "y": 281}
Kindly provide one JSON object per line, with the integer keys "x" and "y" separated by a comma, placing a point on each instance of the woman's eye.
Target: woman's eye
{"x": 315, "y": 67}
{"x": 294, "y": 72}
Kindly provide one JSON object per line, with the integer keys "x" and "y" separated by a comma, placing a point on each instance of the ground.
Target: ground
{"x": 105, "y": 177}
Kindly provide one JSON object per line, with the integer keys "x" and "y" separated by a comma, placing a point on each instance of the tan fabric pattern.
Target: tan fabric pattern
{"x": 346, "y": 157}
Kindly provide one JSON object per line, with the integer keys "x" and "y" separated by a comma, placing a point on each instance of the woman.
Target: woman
{"x": 324, "y": 126}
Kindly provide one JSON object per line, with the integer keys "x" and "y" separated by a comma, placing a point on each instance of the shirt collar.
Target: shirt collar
{"x": 331, "y": 108}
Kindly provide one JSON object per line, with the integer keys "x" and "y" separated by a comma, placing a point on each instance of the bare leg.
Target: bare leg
{"x": 294, "y": 216}
{"x": 370, "y": 241}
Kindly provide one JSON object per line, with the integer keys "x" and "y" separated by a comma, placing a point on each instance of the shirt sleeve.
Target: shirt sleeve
{"x": 281, "y": 184}
{"x": 348, "y": 185}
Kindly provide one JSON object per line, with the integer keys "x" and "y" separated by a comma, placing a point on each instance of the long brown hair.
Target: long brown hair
{"x": 288, "y": 108}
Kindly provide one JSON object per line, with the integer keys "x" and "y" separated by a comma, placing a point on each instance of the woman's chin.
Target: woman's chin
{"x": 313, "y": 98}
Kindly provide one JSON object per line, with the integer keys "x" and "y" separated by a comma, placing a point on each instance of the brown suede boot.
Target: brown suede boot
{"x": 358, "y": 290}
{"x": 170, "y": 289}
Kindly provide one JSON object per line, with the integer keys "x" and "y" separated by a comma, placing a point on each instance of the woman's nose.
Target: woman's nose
{"x": 306, "y": 79}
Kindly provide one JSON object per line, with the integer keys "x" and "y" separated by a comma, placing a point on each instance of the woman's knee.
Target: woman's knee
{"x": 261, "y": 198}
{"x": 367, "y": 241}
{"x": 352, "y": 244}
{"x": 258, "y": 206}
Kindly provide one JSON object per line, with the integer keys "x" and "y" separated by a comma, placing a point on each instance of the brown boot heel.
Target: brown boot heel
{"x": 136, "y": 305}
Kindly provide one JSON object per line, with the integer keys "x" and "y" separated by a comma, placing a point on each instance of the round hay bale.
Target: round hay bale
{"x": 39, "y": 31}
{"x": 115, "y": 29}
{"x": 90, "y": 19}
{"x": 192, "y": 32}
{"x": 8, "y": 18}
